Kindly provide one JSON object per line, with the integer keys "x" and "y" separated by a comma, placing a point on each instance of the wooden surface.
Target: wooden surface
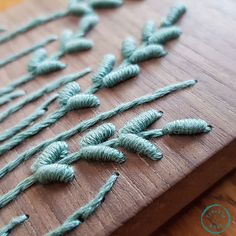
{"x": 187, "y": 222}
{"x": 148, "y": 193}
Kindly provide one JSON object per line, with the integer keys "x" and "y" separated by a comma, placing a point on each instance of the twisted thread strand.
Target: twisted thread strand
{"x": 9, "y": 97}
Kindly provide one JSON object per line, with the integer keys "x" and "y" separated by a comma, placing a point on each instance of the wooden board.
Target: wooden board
{"x": 148, "y": 193}
{"x": 187, "y": 222}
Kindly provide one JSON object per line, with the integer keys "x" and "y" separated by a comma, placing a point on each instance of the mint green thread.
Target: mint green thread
{"x": 87, "y": 23}
{"x": 51, "y": 154}
{"x": 44, "y": 170}
{"x": 98, "y": 135}
{"x": 148, "y": 29}
{"x": 141, "y": 122}
{"x": 34, "y": 23}
{"x": 105, "y": 3}
{"x": 39, "y": 112}
{"x": 27, "y": 51}
{"x": 86, "y": 124}
{"x": 140, "y": 145}
{"x": 41, "y": 92}
{"x": 84, "y": 212}
{"x": 146, "y": 53}
{"x": 6, "y": 230}
{"x": 70, "y": 90}
{"x": 174, "y": 15}
{"x": 74, "y": 8}
{"x": 129, "y": 45}
{"x": 164, "y": 35}
{"x": 10, "y": 96}
{"x": 40, "y": 64}
{"x": 120, "y": 75}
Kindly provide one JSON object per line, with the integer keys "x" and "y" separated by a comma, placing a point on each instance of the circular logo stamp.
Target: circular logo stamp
{"x": 215, "y": 219}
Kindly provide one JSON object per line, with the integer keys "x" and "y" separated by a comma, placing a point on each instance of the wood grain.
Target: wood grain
{"x": 148, "y": 193}
{"x": 187, "y": 222}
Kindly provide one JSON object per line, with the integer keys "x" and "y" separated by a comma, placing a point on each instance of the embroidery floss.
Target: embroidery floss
{"x": 6, "y": 230}
{"x": 40, "y": 64}
{"x": 27, "y": 51}
{"x": 45, "y": 170}
{"x": 86, "y": 124}
{"x": 39, "y": 112}
{"x": 75, "y": 7}
{"x": 41, "y": 92}
{"x": 84, "y": 212}
{"x": 164, "y": 35}
{"x": 9, "y": 97}
{"x": 174, "y": 15}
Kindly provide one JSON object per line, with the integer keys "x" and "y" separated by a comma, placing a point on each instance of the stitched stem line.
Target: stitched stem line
{"x": 6, "y": 230}
{"x": 86, "y": 124}
{"x": 39, "y": 112}
{"x": 27, "y": 51}
{"x": 45, "y": 90}
{"x": 33, "y": 24}
{"x": 9, "y": 97}
{"x": 79, "y": 216}
{"x": 11, "y": 87}
{"x": 75, "y": 7}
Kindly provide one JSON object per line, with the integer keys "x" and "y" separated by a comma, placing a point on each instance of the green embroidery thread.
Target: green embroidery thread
{"x": 27, "y": 51}
{"x": 6, "y": 230}
{"x": 75, "y": 7}
{"x": 84, "y": 212}
{"x": 9, "y": 97}
{"x": 41, "y": 92}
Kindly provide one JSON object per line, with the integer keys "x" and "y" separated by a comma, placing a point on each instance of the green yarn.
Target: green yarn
{"x": 81, "y": 101}
{"x": 51, "y": 154}
{"x": 78, "y": 45}
{"x": 86, "y": 124}
{"x": 129, "y": 45}
{"x": 10, "y": 96}
{"x": 140, "y": 145}
{"x": 95, "y": 153}
{"x": 105, "y": 3}
{"x": 75, "y": 7}
{"x": 84, "y": 212}
{"x": 146, "y": 53}
{"x": 104, "y": 69}
{"x": 67, "y": 92}
{"x": 98, "y": 135}
{"x": 40, "y": 64}
{"x": 187, "y": 127}
{"x": 27, "y": 51}
{"x": 148, "y": 30}
{"x": 120, "y": 75}
{"x": 45, "y": 170}
{"x": 141, "y": 122}
{"x": 39, "y": 112}
{"x": 87, "y": 23}
{"x": 6, "y": 230}
{"x": 164, "y": 35}
{"x": 41, "y": 92}
{"x": 174, "y": 15}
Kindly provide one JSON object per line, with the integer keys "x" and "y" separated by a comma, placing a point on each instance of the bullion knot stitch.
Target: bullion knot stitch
{"x": 41, "y": 63}
{"x": 71, "y": 98}
{"x": 46, "y": 169}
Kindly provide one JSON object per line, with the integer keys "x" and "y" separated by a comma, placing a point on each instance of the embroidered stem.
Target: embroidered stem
{"x": 75, "y": 7}
{"x": 40, "y": 111}
{"x": 33, "y": 24}
{"x": 84, "y": 212}
{"x": 45, "y": 170}
{"x": 86, "y": 124}
{"x": 27, "y": 51}
{"x": 12, "y": 86}
{"x": 47, "y": 89}
{"x": 6, "y": 230}
{"x": 9, "y": 97}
